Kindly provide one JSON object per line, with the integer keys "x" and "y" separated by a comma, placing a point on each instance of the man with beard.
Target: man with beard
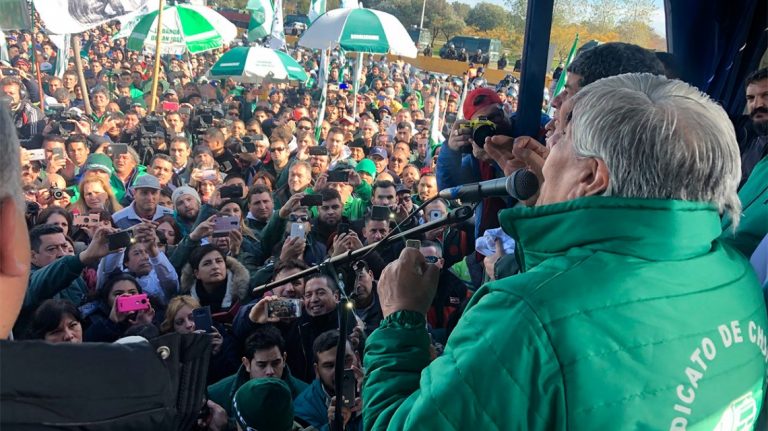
{"x": 182, "y": 164}
{"x": 329, "y": 215}
{"x": 187, "y": 203}
{"x": 319, "y": 162}
{"x": 753, "y": 193}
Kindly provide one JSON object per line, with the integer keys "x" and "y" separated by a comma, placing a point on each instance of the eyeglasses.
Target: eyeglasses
{"x": 394, "y": 160}
{"x": 277, "y": 149}
{"x": 297, "y": 218}
{"x": 431, "y": 259}
{"x": 32, "y": 168}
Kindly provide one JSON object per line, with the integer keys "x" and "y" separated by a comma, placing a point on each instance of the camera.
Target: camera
{"x": 57, "y": 193}
{"x": 481, "y": 128}
{"x": 152, "y": 126}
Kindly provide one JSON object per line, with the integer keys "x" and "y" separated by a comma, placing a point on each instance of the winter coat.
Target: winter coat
{"x": 238, "y": 288}
{"x": 223, "y": 392}
{"x": 753, "y": 225}
{"x": 312, "y": 406}
{"x": 629, "y": 314}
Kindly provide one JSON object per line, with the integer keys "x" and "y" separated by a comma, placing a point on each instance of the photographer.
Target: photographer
{"x": 457, "y": 165}
{"x": 29, "y": 120}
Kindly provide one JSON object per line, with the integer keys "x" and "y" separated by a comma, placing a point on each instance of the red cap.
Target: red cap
{"x": 479, "y": 98}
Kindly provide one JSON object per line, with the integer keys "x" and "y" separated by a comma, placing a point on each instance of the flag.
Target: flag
{"x": 4, "y": 49}
{"x": 15, "y": 15}
{"x": 322, "y": 79}
{"x": 77, "y": 16}
{"x": 277, "y": 38}
{"x": 460, "y": 114}
{"x": 62, "y": 42}
{"x": 436, "y": 137}
{"x": 262, "y": 14}
{"x": 316, "y": 8}
{"x": 561, "y": 81}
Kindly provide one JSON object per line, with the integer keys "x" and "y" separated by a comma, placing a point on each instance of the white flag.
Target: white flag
{"x": 62, "y": 42}
{"x": 77, "y": 16}
{"x": 316, "y": 8}
{"x": 4, "y": 49}
{"x": 262, "y": 15}
{"x": 277, "y": 38}
{"x": 128, "y": 22}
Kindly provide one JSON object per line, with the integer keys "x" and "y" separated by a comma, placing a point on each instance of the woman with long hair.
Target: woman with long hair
{"x": 179, "y": 318}
{"x": 57, "y": 321}
{"x": 95, "y": 195}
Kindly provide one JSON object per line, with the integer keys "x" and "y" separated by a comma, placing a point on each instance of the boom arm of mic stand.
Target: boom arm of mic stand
{"x": 458, "y": 215}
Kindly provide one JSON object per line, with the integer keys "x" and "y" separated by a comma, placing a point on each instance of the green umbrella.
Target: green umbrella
{"x": 244, "y": 64}
{"x": 184, "y": 28}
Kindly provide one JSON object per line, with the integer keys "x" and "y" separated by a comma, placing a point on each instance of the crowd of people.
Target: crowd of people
{"x": 226, "y": 187}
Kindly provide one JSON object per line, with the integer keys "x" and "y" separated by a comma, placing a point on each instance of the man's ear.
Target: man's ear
{"x": 246, "y": 364}
{"x": 317, "y": 370}
{"x": 593, "y": 180}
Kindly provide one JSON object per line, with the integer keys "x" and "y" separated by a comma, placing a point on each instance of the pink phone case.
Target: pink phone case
{"x": 127, "y": 304}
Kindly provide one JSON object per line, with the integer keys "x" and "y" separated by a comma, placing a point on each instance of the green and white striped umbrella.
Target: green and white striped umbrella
{"x": 254, "y": 64}
{"x": 359, "y": 30}
{"x": 185, "y": 28}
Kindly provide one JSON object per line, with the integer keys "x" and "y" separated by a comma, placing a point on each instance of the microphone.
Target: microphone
{"x": 521, "y": 185}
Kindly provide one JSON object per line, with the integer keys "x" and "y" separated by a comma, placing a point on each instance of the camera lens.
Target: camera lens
{"x": 482, "y": 132}
{"x": 86, "y": 220}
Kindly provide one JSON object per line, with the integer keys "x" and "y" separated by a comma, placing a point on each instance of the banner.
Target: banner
{"x": 322, "y": 80}
{"x": 262, "y": 15}
{"x": 277, "y": 38}
{"x": 316, "y": 8}
{"x": 436, "y": 137}
{"x": 77, "y": 16}
{"x": 15, "y": 15}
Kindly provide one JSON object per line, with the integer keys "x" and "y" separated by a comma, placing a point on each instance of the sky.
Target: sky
{"x": 658, "y": 22}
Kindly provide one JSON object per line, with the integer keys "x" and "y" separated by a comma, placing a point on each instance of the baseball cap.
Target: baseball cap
{"x": 348, "y": 119}
{"x": 98, "y": 161}
{"x": 146, "y": 182}
{"x": 379, "y": 152}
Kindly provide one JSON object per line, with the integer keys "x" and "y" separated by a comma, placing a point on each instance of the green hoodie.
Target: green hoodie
{"x": 753, "y": 225}
{"x": 629, "y": 314}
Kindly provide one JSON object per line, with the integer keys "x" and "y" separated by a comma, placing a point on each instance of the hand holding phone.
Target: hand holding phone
{"x": 312, "y": 200}
{"x": 131, "y": 303}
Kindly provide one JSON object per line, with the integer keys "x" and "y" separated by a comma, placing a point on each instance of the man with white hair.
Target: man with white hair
{"x": 629, "y": 312}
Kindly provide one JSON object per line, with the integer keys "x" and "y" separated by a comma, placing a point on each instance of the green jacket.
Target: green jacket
{"x": 625, "y": 309}
{"x": 753, "y": 225}
{"x": 223, "y": 391}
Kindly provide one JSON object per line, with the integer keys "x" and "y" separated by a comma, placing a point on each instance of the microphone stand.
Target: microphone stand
{"x": 455, "y": 216}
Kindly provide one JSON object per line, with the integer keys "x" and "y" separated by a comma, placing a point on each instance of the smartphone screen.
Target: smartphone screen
{"x": 119, "y": 240}
{"x": 312, "y": 200}
{"x": 349, "y": 388}
{"x": 203, "y": 319}
{"x": 170, "y": 106}
{"x": 380, "y": 212}
{"x": 338, "y": 177}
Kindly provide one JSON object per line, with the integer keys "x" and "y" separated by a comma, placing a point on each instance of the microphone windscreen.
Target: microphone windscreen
{"x": 522, "y": 184}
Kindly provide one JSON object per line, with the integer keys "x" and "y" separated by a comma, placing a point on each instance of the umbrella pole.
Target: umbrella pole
{"x": 156, "y": 72}
{"x": 356, "y": 83}
{"x": 79, "y": 69}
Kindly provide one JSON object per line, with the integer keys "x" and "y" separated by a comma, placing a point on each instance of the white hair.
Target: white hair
{"x": 660, "y": 138}
{"x": 10, "y": 159}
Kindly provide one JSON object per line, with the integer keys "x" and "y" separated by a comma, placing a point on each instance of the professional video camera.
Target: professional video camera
{"x": 63, "y": 120}
{"x": 152, "y": 126}
{"x": 144, "y": 140}
{"x": 204, "y": 117}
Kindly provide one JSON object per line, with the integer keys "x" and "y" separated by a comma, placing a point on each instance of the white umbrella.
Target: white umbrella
{"x": 359, "y": 30}
{"x": 252, "y": 65}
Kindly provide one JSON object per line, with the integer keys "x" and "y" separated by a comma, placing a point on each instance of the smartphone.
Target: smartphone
{"x": 226, "y": 166}
{"x": 312, "y": 200}
{"x": 36, "y": 155}
{"x": 318, "y": 151}
{"x": 117, "y": 149}
{"x": 380, "y": 212}
{"x": 386, "y": 120}
{"x": 412, "y": 243}
{"x": 127, "y": 304}
{"x": 284, "y": 308}
{"x": 226, "y": 224}
{"x": 234, "y": 191}
{"x": 203, "y": 319}
{"x": 87, "y": 219}
{"x": 348, "y": 388}
{"x": 209, "y": 175}
{"x": 169, "y": 106}
{"x": 119, "y": 240}
{"x": 297, "y": 230}
{"x": 58, "y": 153}
{"x": 342, "y": 228}
{"x": 9, "y": 71}
{"x": 338, "y": 176}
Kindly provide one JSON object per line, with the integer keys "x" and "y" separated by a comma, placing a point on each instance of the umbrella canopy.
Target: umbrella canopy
{"x": 185, "y": 28}
{"x": 359, "y": 30}
{"x": 252, "y": 65}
